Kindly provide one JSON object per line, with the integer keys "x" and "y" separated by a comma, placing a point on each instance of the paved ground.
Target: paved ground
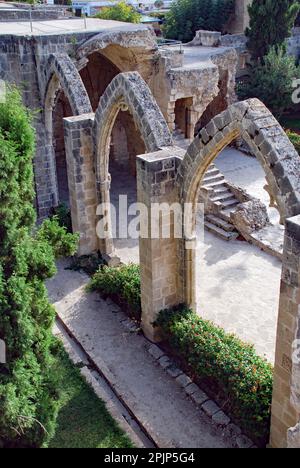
{"x": 197, "y": 57}
{"x": 152, "y": 395}
{"x": 246, "y": 172}
{"x": 237, "y": 284}
{"x": 238, "y": 289}
{"x": 66, "y": 26}
{"x": 122, "y": 182}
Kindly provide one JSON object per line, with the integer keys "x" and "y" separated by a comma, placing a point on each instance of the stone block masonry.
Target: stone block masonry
{"x": 160, "y": 277}
{"x": 81, "y": 179}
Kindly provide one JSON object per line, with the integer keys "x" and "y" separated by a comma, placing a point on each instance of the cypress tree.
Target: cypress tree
{"x": 270, "y": 24}
{"x": 28, "y": 398}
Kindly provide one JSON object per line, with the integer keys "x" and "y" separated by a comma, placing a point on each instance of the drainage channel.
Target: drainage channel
{"x": 106, "y": 386}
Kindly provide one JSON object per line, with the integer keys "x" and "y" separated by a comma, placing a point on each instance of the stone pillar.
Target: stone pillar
{"x": 286, "y": 392}
{"x": 240, "y": 19}
{"x": 81, "y": 178}
{"x": 162, "y": 285}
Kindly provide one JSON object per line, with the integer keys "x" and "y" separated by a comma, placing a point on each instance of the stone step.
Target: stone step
{"x": 225, "y": 197}
{"x": 211, "y": 172}
{"x": 216, "y": 185}
{"x": 230, "y": 203}
{"x": 221, "y": 223}
{"x": 209, "y": 180}
{"x": 221, "y": 190}
{"x": 228, "y": 236}
{"x": 225, "y": 213}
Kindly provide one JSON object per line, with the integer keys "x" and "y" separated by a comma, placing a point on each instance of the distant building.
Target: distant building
{"x": 90, "y": 8}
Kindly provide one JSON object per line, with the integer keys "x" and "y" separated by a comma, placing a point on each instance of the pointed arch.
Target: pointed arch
{"x": 61, "y": 74}
{"x": 255, "y": 124}
{"x": 127, "y": 91}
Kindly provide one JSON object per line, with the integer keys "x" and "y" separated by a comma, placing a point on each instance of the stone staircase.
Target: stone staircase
{"x": 224, "y": 202}
{"x": 219, "y": 194}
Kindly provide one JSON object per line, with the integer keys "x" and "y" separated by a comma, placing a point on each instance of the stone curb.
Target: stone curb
{"x": 201, "y": 400}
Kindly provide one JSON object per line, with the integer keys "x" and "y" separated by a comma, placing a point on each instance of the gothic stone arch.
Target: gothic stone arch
{"x": 126, "y": 91}
{"x": 61, "y": 73}
{"x": 168, "y": 279}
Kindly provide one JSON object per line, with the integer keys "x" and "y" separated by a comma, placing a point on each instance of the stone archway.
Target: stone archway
{"x": 127, "y": 91}
{"x": 168, "y": 279}
{"x": 61, "y": 75}
{"x": 254, "y": 123}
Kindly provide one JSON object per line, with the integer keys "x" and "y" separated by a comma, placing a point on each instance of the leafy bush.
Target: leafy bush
{"x": 120, "y": 12}
{"x": 223, "y": 362}
{"x": 123, "y": 284}
{"x": 272, "y": 81}
{"x": 224, "y": 365}
{"x": 28, "y": 397}
{"x": 188, "y": 16}
{"x": 295, "y": 139}
{"x": 63, "y": 243}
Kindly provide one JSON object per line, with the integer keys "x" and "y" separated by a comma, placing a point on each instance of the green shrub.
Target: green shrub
{"x": 122, "y": 284}
{"x": 120, "y": 12}
{"x": 63, "y": 243}
{"x": 225, "y": 364}
{"x": 295, "y": 139}
{"x": 272, "y": 81}
{"x": 28, "y": 397}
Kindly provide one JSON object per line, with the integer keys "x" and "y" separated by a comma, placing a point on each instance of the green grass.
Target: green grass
{"x": 83, "y": 421}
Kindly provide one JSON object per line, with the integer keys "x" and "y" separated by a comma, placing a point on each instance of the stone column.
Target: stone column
{"x": 81, "y": 178}
{"x": 162, "y": 285}
{"x": 286, "y": 392}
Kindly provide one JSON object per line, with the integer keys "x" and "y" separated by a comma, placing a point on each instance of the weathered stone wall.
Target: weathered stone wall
{"x": 161, "y": 281}
{"x": 164, "y": 177}
{"x": 81, "y": 179}
{"x": 172, "y": 81}
{"x": 41, "y": 65}
{"x": 126, "y": 142}
{"x": 96, "y": 76}
{"x": 37, "y": 13}
{"x": 25, "y": 62}
{"x": 286, "y": 392}
{"x": 71, "y": 71}
{"x": 240, "y": 20}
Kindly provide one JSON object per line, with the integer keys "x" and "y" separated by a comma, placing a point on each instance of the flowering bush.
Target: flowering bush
{"x": 240, "y": 379}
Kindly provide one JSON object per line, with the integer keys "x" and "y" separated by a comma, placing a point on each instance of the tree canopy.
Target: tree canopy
{"x": 270, "y": 24}
{"x": 271, "y": 81}
{"x": 120, "y": 12}
{"x": 188, "y": 16}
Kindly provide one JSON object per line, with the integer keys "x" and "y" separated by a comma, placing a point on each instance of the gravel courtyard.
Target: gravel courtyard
{"x": 237, "y": 284}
